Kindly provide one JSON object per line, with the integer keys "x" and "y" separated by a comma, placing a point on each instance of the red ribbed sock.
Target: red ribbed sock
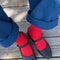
{"x": 35, "y": 34}
{"x": 21, "y": 41}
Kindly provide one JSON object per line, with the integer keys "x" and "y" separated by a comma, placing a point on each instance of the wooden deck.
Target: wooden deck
{"x": 18, "y": 14}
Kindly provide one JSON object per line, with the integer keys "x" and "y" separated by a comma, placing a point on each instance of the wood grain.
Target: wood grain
{"x": 18, "y": 14}
{"x": 55, "y": 32}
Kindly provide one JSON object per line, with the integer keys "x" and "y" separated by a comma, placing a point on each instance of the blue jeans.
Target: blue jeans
{"x": 9, "y": 30}
{"x": 44, "y": 14}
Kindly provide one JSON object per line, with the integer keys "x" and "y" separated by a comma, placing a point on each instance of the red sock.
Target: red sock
{"x": 21, "y": 41}
{"x": 35, "y": 34}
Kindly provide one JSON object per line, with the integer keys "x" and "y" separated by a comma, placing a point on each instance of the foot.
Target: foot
{"x": 43, "y": 47}
{"x": 25, "y": 48}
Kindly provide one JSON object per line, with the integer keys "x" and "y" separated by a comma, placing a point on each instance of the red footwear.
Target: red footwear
{"x": 41, "y": 45}
{"x": 25, "y": 48}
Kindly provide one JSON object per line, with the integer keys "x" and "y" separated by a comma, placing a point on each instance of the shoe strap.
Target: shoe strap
{"x": 37, "y": 40}
{"x": 24, "y": 45}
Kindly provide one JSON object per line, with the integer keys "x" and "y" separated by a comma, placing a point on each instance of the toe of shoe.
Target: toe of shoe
{"x": 47, "y": 52}
{"x": 32, "y": 57}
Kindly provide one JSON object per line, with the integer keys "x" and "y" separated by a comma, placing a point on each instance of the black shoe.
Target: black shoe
{"x": 32, "y": 57}
{"x": 46, "y": 52}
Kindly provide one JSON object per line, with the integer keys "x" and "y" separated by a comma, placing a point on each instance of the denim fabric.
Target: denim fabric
{"x": 9, "y": 30}
{"x": 44, "y": 13}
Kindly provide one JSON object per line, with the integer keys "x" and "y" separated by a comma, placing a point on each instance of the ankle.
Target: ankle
{"x": 34, "y": 32}
{"x": 22, "y": 39}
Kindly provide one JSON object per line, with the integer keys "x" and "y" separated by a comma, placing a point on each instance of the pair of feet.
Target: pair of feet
{"x": 26, "y": 50}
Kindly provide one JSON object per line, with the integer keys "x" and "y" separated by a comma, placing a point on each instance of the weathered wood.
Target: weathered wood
{"x": 23, "y": 26}
{"x": 49, "y": 59}
{"x": 53, "y": 32}
{"x": 13, "y": 51}
{"x": 15, "y": 12}
{"x": 11, "y": 59}
{"x": 46, "y": 59}
{"x": 55, "y": 46}
{"x": 10, "y": 52}
{"x": 6, "y": 3}
{"x": 18, "y": 14}
{"x": 46, "y": 33}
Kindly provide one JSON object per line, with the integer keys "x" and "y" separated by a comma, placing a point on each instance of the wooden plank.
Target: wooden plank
{"x": 18, "y": 14}
{"x": 46, "y": 59}
{"x": 11, "y": 59}
{"x": 46, "y": 33}
{"x": 13, "y": 51}
{"x": 52, "y": 32}
{"x": 55, "y": 46}
{"x": 50, "y": 59}
{"x": 6, "y": 3}
{"x": 23, "y": 26}
{"x": 36, "y": 59}
{"x": 10, "y": 52}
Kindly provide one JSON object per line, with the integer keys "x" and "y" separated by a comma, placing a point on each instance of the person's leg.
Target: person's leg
{"x": 25, "y": 47}
{"x": 9, "y": 34}
{"x": 42, "y": 15}
{"x": 36, "y": 33}
{"x": 21, "y": 41}
{"x": 40, "y": 43}
{"x": 8, "y": 30}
